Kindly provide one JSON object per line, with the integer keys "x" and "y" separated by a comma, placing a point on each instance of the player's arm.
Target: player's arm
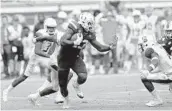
{"x": 65, "y": 39}
{"x": 52, "y": 38}
{"x": 150, "y": 53}
{"x": 38, "y": 45}
{"x": 99, "y": 46}
{"x": 40, "y": 37}
{"x": 38, "y": 50}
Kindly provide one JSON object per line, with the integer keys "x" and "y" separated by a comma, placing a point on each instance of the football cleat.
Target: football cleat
{"x": 59, "y": 98}
{"x": 66, "y": 103}
{"x": 155, "y": 102}
{"x": 78, "y": 90}
{"x": 33, "y": 99}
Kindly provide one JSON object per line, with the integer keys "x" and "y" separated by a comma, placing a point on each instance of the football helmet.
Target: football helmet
{"x": 145, "y": 43}
{"x": 168, "y": 30}
{"x": 50, "y": 25}
{"x": 136, "y": 15}
{"x": 87, "y": 21}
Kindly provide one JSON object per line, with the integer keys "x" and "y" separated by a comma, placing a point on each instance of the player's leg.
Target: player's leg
{"x": 19, "y": 79}
{"x": 46, "y": 89}
{"x": 5, "y": 57}
{"x": 157, "y": 78}
{"x": 46, "y": 83}
{"x": 63, "y": 78}
{"x": 80, "y": 69}
{"x": 20, "y": 62}
{"x": 63, "y": 81}
{"x": 59, "y": 98}
{"x": 10, "y": 58}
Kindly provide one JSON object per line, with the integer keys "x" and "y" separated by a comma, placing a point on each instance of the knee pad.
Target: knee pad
{"x": 82, "y": 77}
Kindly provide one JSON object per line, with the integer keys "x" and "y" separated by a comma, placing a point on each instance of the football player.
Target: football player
{"x": 151, "y": 21}
{"x": 166, "y": 40}
{"x": 135, "y": 31}
{"x": 68, "y": 57}
{"x": 159, "y": 59}
{"x": 43, "y": 53}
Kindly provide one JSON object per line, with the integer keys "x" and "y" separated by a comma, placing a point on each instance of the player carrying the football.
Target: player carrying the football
{"x": 69, "y": 58}
{"x": 158, "y": 71}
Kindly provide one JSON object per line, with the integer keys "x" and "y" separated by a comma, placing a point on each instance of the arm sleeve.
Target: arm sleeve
{"x": 73, "y": 25}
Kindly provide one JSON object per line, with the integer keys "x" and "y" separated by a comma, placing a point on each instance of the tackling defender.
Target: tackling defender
{"x": 166, "y": 40}
{"x": 42, "y": 53}
{"x": 68, "y": 57}
{"x": 159, "y": 59}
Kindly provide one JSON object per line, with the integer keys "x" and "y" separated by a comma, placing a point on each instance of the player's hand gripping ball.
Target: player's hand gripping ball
{"x": 77, "y": 38}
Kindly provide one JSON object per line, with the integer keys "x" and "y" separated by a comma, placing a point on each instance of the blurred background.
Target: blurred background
{"x": 20, "y": 19}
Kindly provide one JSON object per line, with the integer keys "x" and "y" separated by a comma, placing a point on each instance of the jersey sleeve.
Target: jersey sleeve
{"x": 91, "y": 36}
{"x": 73, "y": 25}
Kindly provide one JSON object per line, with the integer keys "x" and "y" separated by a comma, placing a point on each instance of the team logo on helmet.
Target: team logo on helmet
{"x": 87, "y": 21}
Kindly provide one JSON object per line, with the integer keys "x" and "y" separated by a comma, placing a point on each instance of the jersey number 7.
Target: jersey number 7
{"x": 46, "y": 46}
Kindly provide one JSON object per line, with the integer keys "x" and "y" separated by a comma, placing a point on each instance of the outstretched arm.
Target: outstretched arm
{"x": 100, "y": 47}
{"x": 103, "y": 48}
{"x": 40, "y": 37}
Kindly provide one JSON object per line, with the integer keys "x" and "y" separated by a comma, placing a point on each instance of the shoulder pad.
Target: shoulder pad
{"x": 148, "y": 52}
{"x": 74, "y": 25}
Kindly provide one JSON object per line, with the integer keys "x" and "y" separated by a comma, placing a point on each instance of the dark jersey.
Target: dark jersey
{"x": 167, "y": 44}
{"x": 70, "y": 52}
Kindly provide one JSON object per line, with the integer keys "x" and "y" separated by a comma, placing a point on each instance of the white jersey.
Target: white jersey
{"x": 165, "y": 61}
{"x": 28, "y": 45}
{"x": 151, "y": 23}
{"x": 46, "y": 46}
{"x": 136, "y": 29}
{"x": 36, "y": 59}
{"x": 165, "y": 24}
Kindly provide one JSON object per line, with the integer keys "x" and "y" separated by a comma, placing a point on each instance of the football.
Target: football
{"x": 74, "y": 37}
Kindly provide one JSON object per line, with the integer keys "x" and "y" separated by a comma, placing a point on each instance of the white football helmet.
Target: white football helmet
{"x": 87, "y": 21}
{"x": 50, "y": 25}
{"x": 145, "y": 43}
{"x": 136, "y": 15}
{"x": 168, "y": 30}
